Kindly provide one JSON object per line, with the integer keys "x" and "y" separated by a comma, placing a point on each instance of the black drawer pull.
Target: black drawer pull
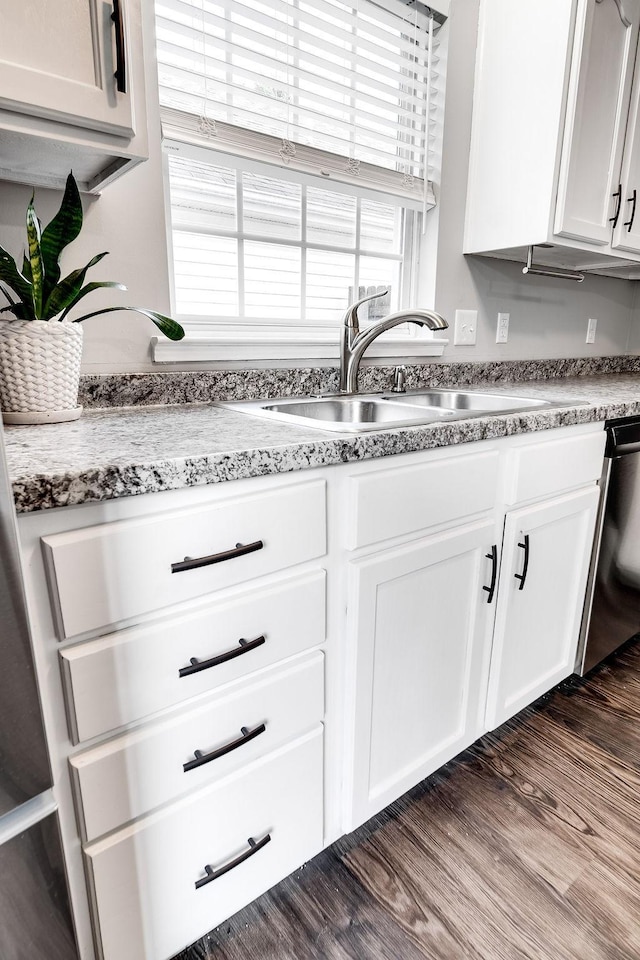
{"x": 493, "y": 556}
{"x": 525, "y": 567}
{"x": 202, "y": 758}
{"x": 240, "y": 550}
{"x": 244, "y": 646}
{"x": 211, "y": 874}
{"x": 121, "y": 54}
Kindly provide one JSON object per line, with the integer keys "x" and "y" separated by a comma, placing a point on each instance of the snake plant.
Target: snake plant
{"x": 37, "y": 292}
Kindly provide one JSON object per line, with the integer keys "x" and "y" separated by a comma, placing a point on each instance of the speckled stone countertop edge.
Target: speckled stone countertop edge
{"x": 36, "y": 490}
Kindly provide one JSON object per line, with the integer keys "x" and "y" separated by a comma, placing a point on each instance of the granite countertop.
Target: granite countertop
{"x": 112, "y": 453}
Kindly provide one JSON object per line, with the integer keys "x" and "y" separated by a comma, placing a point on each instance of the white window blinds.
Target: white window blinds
{"x": 341, "y": 89}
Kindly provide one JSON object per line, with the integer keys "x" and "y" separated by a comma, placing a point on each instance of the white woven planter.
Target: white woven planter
{"x": 39, "y": 370}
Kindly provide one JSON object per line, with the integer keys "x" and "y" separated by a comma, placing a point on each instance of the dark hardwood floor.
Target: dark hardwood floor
{"x": 525, "y": 846}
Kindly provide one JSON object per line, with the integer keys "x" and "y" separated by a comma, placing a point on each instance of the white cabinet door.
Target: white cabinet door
{"x": 58, "y": 60}
{"x": 626, "y": 235}
{"x": 598, "y": 102}
{"x": 422, "y": 633}
{"x": 545, "y": 560}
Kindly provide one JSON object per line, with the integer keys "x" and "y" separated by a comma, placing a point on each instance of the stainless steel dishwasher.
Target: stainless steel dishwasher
{"x": 612, "y": 606}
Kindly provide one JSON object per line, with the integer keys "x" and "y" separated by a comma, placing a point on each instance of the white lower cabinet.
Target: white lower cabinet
{"x": 451, "y": 634}
{"x": 545, "y": 562}
{"x": 173, "y": 876}
{"x": 421, "y": 629}
{"x": 238, "y": 714}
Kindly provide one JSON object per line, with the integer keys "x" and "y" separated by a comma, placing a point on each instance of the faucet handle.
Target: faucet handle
{"x": 351, "y": 316}
{"x": 399, "y": 379}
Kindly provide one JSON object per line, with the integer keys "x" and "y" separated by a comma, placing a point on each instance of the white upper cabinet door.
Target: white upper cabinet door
{"x": 589, "y": 192}
{"x": 545, "y": 560}
{"x": 421, "y": 628}
{"x": 59, "y": 60}
{"x": 626, "y": 235}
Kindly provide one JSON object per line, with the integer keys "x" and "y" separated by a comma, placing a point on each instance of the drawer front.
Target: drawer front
{"x": 131, "y": 674}
{"x": 547, "y": 468}
{"x": 132, "y": 774}
{"x": 144, "y": 877}
{"x": 397, "y": 501}
{"x": 110, "y": 573}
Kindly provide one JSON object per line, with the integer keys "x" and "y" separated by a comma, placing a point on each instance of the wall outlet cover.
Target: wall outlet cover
{"x": 502, "y": 328}
{"x": 464, "y": 332}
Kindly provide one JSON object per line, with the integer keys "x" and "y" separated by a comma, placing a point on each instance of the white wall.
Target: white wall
{"x": 548, "y": 318}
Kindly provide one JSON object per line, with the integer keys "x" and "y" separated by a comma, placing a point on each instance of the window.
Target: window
{"x": 300, "y": 136}
{"x": 251, "y": 246}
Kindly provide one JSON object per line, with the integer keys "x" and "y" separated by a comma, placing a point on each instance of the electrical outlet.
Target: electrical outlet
{"x": 464, "y": 331}
{"x": 591, "y": 331}
{"x": 502, "y": 329}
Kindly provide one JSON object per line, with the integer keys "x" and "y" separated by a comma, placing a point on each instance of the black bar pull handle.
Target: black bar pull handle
{"x": 617, "y": 196}
{"x": 240, "y": 550}
{"x": 244, "y": 646}
{"x": 493, "y": 556}
{"x": 632, "y": 200}
{"x": 202, "y": 758}
{"x": 211, "y": 874}
{"x": 121, "y": 51}
{"x": 525, "y": 566}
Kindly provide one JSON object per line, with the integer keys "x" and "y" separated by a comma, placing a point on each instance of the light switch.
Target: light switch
{"x": 591, "y": 330}
{"x": 464, "y": 331}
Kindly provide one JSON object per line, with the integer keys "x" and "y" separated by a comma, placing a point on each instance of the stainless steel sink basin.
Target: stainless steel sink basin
{"x": 358, "y": 412}
{"x": 382, "y": 411}
{"x": 467, "y": 401}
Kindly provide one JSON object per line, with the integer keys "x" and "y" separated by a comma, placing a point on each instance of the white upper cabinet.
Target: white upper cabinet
{"x": 626, "y": 233}
{"x": 71, "y": 91}
{"x": 74, "y": 78}
{"x": 566, "y": 121}
{"x": 590, "y": 192}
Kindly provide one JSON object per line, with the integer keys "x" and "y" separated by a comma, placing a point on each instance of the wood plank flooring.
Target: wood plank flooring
{"x": 526, "y": 847}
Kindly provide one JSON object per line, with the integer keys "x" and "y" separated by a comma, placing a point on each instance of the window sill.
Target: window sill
{"x": 287, "y": 349}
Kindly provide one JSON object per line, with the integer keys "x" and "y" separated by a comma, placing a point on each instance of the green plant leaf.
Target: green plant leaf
{"x": 35, "y": 259}
{"x": 10, "y": 274}
{"x": 165, "y": 325}
{"x": 60, "y": 232}
{"x": 89, "y": 288}
{"x": 65, "y": 293}
{"x": 26, "y": 268}
{"x": 19, "y": 310}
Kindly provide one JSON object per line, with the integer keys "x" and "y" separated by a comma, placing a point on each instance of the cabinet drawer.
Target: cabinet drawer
{"x": 113, "y": 572}
{"x": 130, "y": 674}
{"x": 401, "y": 500}
{"x": 144, "y": 877}
{"x": 549, "y": 467}
{"x": 132, "y": 774}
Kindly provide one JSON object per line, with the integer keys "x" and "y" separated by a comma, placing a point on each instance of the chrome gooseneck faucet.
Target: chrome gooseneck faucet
{"x": 354, "y": 341}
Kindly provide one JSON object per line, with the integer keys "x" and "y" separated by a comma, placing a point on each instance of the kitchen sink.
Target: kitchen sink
{"x": 360, "y": 412}
{"x": 382, "y": 411}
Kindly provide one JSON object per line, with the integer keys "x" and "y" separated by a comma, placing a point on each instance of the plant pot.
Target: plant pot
{"x": 39, "y": 370}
